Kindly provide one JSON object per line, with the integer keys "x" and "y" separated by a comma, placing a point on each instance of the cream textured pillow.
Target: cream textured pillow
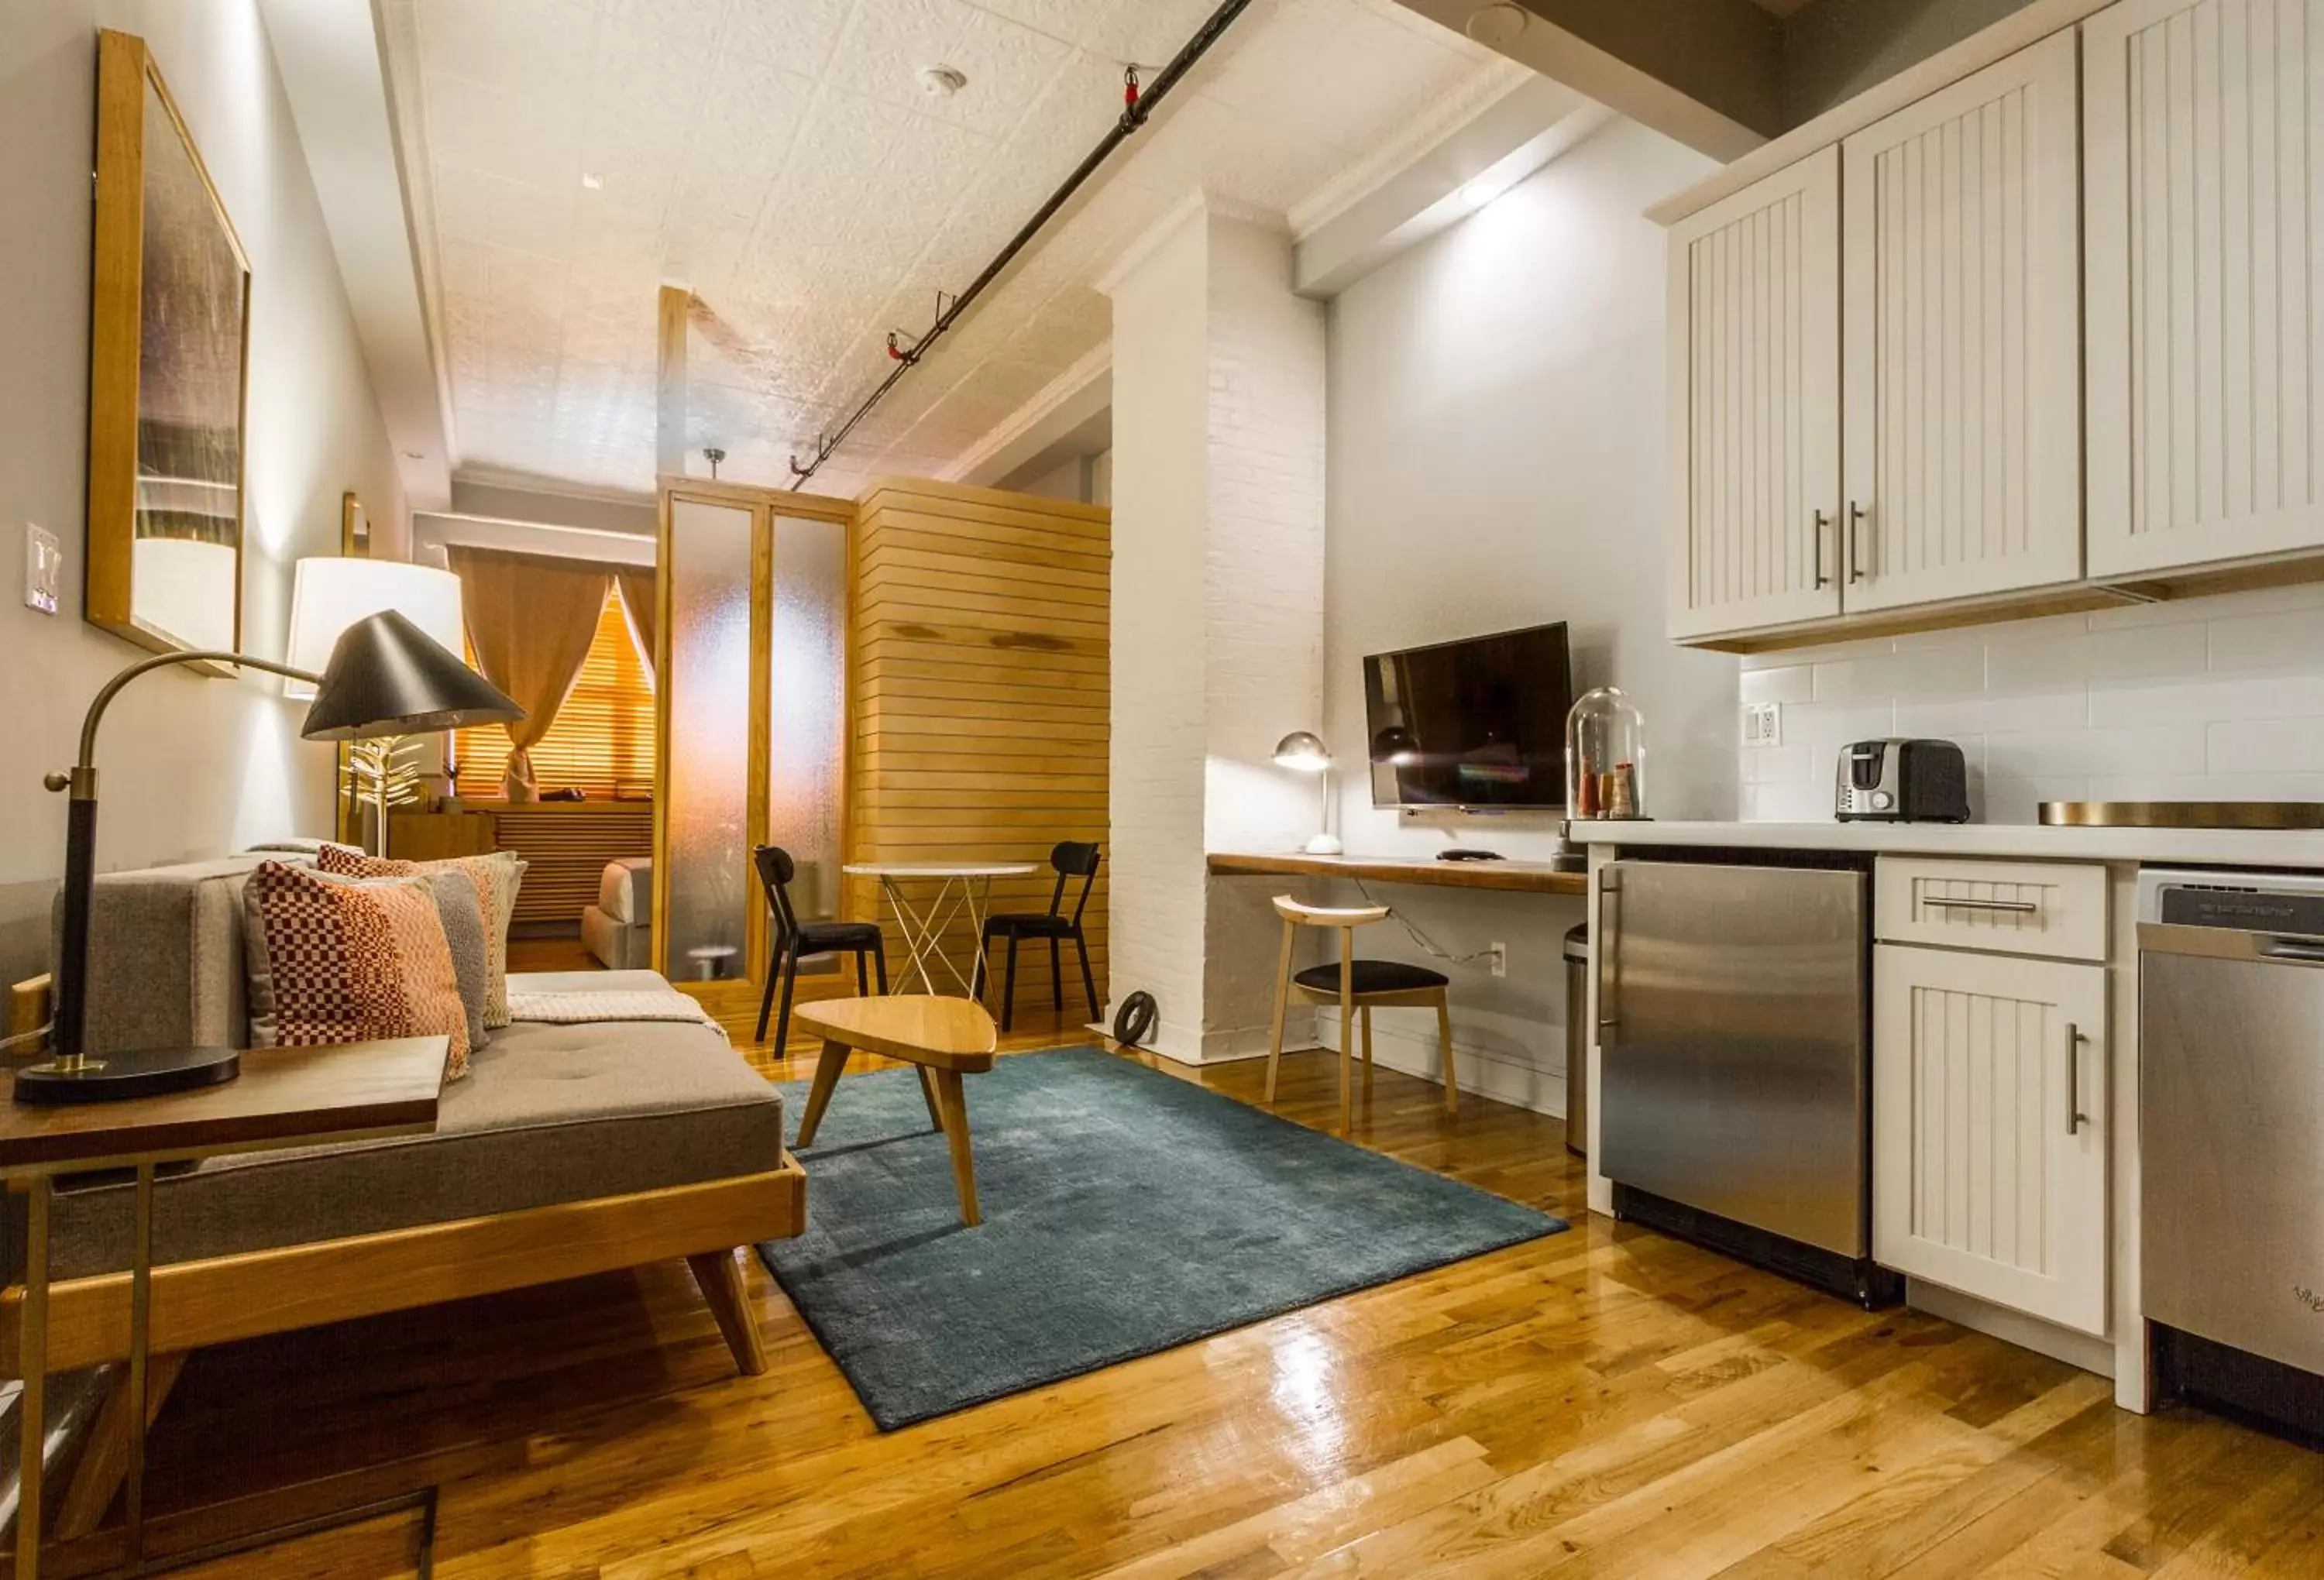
{"x": 348, "y": 962}
{"x": 496, "y": 877}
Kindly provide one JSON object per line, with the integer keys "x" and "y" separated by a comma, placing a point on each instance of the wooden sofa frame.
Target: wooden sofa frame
{"x": 249, "y": 1294}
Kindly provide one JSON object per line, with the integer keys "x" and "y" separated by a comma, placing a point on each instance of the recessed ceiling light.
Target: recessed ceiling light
{"x": 592, "y": 180}
{"x": 1479, "y": 192}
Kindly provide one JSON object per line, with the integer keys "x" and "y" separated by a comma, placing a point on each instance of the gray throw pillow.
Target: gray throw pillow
{"x": 463, "y": 914}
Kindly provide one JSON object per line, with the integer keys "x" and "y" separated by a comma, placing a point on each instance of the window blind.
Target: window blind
{"x": 603, "y": 738}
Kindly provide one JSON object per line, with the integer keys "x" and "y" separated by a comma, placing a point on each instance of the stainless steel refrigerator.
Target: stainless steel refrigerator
{"x": 1735, "y": 1048}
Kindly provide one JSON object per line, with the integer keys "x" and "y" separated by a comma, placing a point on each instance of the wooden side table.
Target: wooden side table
{"x": 284, "y": 1098}
{"x": 943, "y": 1038}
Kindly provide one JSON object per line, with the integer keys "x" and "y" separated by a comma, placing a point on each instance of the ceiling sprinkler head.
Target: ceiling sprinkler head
{"x": 942, "y": 82}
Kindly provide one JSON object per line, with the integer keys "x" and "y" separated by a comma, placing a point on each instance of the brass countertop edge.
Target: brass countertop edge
{"x": 2287, "y": 816}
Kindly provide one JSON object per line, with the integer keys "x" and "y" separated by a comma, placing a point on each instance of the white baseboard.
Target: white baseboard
{"x": 1488, "y": 1072}
{"x": 2043, "y": 1338}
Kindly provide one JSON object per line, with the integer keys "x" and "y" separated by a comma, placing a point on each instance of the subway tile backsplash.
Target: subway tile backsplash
{"x": 2205, "y": 699}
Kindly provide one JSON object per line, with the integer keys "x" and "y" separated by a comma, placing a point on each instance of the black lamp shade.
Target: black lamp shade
{"x": 387, "y": 676}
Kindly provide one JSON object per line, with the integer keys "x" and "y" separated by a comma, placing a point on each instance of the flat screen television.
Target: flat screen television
{"x": 1480, "y": 722}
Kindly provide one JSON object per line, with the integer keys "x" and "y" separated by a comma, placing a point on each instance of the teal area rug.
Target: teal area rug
{"x": 1125, "y": 1211}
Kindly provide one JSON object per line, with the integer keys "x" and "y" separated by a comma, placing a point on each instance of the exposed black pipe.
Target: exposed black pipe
{"x": 1133, "y": 116}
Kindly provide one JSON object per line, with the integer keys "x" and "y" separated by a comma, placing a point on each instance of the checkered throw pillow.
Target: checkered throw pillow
{"x": 348, "y": 962}
{"x": 496, "y": 877}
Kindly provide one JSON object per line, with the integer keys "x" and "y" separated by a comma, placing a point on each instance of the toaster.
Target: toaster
{"x": 1902, "y": 781}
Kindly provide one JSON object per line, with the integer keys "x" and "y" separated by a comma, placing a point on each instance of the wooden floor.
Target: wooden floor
{"x": 1603, "y": 1402}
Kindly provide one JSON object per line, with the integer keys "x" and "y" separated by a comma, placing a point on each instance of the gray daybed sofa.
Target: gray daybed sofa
{"x": 569, "y": 1150}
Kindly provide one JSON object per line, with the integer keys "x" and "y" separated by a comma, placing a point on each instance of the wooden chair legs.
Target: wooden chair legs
{"x": 1347, "y": 1031}
{"x": 1089, "y": 979}
{"x": 1444, "y": 1052}
{"x": 728, "y": 1296}
{"x": 1282, "y": 1003}
{"x": 1356, "y": 1021}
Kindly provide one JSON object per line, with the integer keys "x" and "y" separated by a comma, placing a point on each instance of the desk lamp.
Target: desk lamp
{"x": 385, "y": 676}
{"x": 1303, "y": 751}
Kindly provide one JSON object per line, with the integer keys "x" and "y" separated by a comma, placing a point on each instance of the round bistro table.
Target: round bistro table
{"x": 959, "y": 886}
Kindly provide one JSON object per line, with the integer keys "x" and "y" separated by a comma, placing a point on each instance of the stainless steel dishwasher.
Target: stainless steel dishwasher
{"x": 2231, "y": 1136}
{"x": 1735, "y": 1048}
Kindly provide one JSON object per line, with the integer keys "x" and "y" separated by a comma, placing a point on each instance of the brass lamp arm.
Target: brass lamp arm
{"x": 87, "y": 759}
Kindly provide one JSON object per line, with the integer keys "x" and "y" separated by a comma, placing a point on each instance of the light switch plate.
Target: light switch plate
{"x": 44, "y": 568}
{"x": 1762, "y": 723}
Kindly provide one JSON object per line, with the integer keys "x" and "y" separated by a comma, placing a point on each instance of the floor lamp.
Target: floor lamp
{"x": 330, "y": 593}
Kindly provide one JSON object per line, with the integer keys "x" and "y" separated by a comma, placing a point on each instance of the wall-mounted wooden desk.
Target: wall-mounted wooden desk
{"x": 1530, "y": 877}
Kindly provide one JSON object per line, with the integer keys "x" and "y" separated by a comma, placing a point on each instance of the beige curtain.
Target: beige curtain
{"x": 640, "y": 590}
{"x": 530, "y": 619}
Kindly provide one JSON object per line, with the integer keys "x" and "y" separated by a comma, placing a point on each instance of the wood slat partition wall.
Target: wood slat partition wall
{"x": 567, "y": 845}
{"x": 980, "y": 692}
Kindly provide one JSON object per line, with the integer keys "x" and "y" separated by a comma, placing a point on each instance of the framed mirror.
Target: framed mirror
{"x": 169, "y": 329}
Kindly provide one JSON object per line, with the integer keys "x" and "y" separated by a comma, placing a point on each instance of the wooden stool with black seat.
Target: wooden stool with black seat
{"x": 1357, "y": 987}
{"x": 1072, "y": 858}
{"x": 795, "y": 940}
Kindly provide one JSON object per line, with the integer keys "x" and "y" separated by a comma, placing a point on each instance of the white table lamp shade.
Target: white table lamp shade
{"x": 330, "y": 594}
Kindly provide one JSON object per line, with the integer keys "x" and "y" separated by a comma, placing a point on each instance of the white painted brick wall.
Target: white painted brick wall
{"x": 1218, "y": 601}
{"x": 1157, "y": 749}
{"x": 2204, "y": 699}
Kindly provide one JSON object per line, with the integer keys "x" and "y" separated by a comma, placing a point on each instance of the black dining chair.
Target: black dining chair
{"x": 1072, "y": 858}
{"x": 795, "y": 940}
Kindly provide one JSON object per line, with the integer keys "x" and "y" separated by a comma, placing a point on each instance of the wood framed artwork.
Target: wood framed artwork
{"x": 169, "y": 329}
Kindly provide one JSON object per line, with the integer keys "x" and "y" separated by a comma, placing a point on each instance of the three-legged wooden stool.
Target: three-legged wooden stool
{"x": 1356, "y": 987}
{"x": 945, "y": 1038}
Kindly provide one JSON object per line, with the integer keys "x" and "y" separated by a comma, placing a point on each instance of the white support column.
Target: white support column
{"x": 1218, "y": 612}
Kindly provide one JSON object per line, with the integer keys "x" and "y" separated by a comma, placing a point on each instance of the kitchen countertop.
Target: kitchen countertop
{"x": 2168, "y": 847}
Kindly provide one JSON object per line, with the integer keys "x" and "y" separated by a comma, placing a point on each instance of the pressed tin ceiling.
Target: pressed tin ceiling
{"x": 782, "y": 158}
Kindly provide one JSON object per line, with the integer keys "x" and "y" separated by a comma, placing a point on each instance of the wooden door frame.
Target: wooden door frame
{"x": 736, "y": 998}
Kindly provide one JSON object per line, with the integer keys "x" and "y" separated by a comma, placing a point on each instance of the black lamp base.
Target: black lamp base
{"x": 112, "y": 1077}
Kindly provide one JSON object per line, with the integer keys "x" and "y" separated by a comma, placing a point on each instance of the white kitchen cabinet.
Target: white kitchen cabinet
{"x": 2203, "y": 148}
{"x": 1755, "y": 393}
{"x": 1990, "y": 1118}
{"x": 1960, "y": 400}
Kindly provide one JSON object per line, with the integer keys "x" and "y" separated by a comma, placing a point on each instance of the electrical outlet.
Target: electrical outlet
{"x": 1500, "y": 952}
{"x": 44, "y": 568}
{"x": 1762, "y": 723}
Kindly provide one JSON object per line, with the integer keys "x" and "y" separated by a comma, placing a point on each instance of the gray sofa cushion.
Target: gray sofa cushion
{"x": 166, "y": 953}
{"x": 551, "y": 1113}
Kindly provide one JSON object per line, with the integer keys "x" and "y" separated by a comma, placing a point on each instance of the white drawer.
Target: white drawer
{"x": 2010, "y": 907}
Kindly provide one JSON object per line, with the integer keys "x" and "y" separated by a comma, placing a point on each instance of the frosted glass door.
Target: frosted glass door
{"x": 709, "y": 890}
{"x": 808, "y": 707}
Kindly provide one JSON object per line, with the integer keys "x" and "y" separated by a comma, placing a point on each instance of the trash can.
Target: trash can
{"x": 1577, "y": 1041}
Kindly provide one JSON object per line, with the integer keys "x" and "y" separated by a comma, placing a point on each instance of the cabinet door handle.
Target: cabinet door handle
{"x": 1602, "y": 945}
{"x": 2075, "y": 1117}
{"x": 1856, "y": 514}
{"x": 2017, "y": 907}
{"x": 1822, "y": 521}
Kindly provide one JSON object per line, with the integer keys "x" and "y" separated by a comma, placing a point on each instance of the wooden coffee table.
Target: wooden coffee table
{"x": 943, "y": 1038}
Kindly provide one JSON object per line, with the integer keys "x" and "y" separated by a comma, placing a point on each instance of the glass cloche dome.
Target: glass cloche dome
{"x": 1605, "y": 756}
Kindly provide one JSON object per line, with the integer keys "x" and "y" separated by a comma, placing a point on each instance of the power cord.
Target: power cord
{"x": 28, "y": 1039}
{"x": 1427, "y": 944}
